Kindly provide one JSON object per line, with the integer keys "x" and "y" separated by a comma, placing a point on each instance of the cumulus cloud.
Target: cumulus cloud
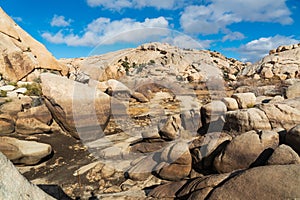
{"x": 184, "y": 41}
{"x": 60, "y": 21}
{"x": 217, "y": 14}
{"x": 106, "y": 31}
{"x": 233, "y": 36}
{"x": 120, "y": 4}
{"x": 256, "y": 49}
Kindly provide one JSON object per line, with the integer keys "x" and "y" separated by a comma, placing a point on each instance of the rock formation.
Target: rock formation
{"x": 20, "y": 54}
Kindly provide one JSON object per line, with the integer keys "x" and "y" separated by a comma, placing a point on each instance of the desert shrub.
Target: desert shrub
{"x": 33, "y": 89}
{"x": 37, "y": 80}
{"x": 13, "y": 83}
{"x": 151, "y": 62}
{"x": 3, "y": 93}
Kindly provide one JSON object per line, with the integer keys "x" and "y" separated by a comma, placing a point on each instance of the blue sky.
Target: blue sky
{"x": 242, "y": 29}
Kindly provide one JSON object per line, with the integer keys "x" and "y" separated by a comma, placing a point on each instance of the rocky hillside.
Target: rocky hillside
{"x": 282, "y": 63}
{"x": 184, "y": 63}
{"x": 154, "y": 122}
{"x": 20, "y": 54}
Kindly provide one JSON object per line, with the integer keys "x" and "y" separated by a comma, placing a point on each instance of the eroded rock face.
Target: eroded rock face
{"x": 171, "y": 129}
{"x": 178, "y": 162}
{"x": 230, "y": 103}
{"x": 284, "y": 155}
{"x": 246, "y": 120}
{"x": 245, "y": 100}
{"x": 24, "y": 152}
{"x": 80, "y": 110}
{"x": 168, "y": 190}
{"x": 284, "y": 114}
{"x": 34, "y": 120}
{"x": 206, "y": 148}
{"x": 267, "y": 182}
{"x": 293, "y": 138}
{"x": 20, "y": 54}
{"x": 283, "y": 64}
{"x": 245, "y": 149}
{"x": 14, "y": 186}
{"x": 293, "y": 91}
{"x": 213, "y": 111}
{"x": 7, "y": 124}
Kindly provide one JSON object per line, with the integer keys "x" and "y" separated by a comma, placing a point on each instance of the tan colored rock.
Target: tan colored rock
{"x": 283, "y": 64}
{"x": 171, "y": 129}
{"x": 293, "y": 138}
{"x": 107, "y": 171}
{"x": 256, "y": 77}
{"x": 245, "y": 100}
{"x": 20, "y": 54}
{"x": 213, "y": 111}
{"x": 24, "y": 152}
{"x": 167, "y": 190}
{"x": 140, "y": 97}
{"x": 293, "y": 91}
{"x": 34, "y": 120}
{"x": 284, "y": 114}
{"x": 178, "y": 162}
{"x": 80, "y": 110}
{"x": 245, "y": 149}
{"x": 16, "y": 105}
{"x": 284, "y": 155}
{"x": 267, "y": 182}
{"x": 230, "y": 103}
{"x": 267, "y": 73}
{"x": 246, "y": 120}
{"x": 200, "y": 187}
{"x": 205, "y": 149}
{"x": 142, "y": 169}
{"x": 14, "y": 186}
{"x": 7, "y": 124}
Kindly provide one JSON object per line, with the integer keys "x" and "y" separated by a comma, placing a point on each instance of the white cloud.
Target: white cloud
{"x": 60, "y": 21}
{"x": 217, "y": 15}
{"x": 105, "y": 31}
{"x": 256, "y": 49}
{"x": 184, "y": 41}
{"x": 17, "y": 19}
{"x": 233, "y": 36}
{"x": 120, "y": 4}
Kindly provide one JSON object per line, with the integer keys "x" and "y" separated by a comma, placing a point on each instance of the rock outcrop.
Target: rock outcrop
{"x": 24, "y": 152}
{"x": 20, "y": 54}
{"x": 14, "y": 186}
{"x": 267, "y": 182}
{"x": 282, "y": 63}
{"x": 245, "y": 150}
{"x": 80, "y": 110}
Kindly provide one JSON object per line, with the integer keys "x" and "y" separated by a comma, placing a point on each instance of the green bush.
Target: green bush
{"x": 3, "y": 93}
{"x": 12, "y": 83}
{"x": 151, "y": 62}
{"x": 33, "y": 89}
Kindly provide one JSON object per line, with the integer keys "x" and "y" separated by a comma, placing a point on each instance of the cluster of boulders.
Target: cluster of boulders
{"x": 284, "y": 64}
{"x": 19, "y": 117}
{"x": 154, "y": 138}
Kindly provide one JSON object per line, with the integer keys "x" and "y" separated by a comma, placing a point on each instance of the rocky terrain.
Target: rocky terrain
{"x": 154, "y": 122}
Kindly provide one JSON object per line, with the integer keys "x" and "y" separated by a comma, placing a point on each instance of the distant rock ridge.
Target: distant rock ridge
{"x": 188, "y": 64}
{"x": 20, "y": 54}
{"x": 281, "y": 63}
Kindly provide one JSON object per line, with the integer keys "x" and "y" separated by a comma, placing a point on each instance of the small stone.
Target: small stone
{"x": 230, "y": 103}
{"x": 7, "y": 88}
{"x": 245, "y": 100}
